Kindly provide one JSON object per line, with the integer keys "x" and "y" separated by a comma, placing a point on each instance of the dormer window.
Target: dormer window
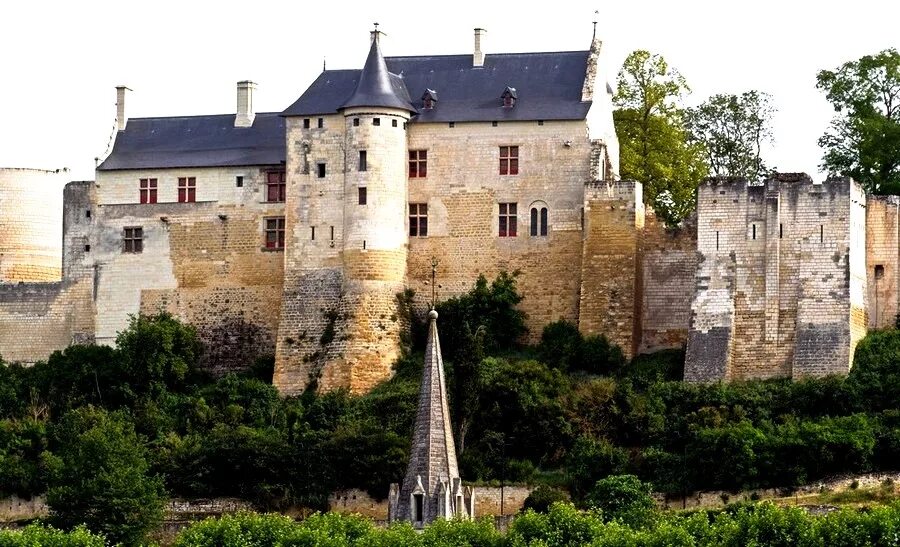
{"x": 509, "y": 97}
{"x": 429, "y": 99}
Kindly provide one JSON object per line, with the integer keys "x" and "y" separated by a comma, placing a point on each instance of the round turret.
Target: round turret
{"x": 31, "y": 215}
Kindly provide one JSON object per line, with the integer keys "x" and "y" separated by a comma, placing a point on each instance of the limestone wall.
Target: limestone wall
{"x": 463, "y": 191}
{"x": 883, "y": 260}
{"x": 780, "y": 286}
{"x": 611, "y": 266}
{"x": 487, "y": 502}
{"x": 31, "y": 210}
{"x": 669, "y": 268}
{"x": 206, "y": 262}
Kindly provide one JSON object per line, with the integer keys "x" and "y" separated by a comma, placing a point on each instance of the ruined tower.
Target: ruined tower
{"x": 346, "y": 216}
{"x": 432, "y": 488}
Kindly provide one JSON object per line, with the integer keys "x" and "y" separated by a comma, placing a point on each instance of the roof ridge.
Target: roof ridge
{"x": 197, "y": 116}
{"x": 486, "y": 54}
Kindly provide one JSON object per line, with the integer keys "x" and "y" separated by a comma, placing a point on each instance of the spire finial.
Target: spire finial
{"x": 596, "y": 17}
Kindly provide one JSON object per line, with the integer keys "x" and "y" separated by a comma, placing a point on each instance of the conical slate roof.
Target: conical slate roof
{"x": 433, "y": 454}
{"x": 376, "y": 86}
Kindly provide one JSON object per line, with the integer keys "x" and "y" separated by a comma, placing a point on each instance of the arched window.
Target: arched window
{"x": 539, "y": 219}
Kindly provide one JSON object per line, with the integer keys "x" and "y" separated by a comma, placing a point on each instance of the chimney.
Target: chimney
{"x": 478, "y": 56}
{"x": 121, "y": 119}
{"x": 245, "y": 113}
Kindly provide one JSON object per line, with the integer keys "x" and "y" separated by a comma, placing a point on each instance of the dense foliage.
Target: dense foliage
{"x": 566, "y": 413}
{"x": 763, "y": 525}
{"x": 863, "y": 141}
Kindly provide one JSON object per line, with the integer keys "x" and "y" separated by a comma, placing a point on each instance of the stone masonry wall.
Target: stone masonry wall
{"x": 669, "y": 258}
{"x": 611, "y": 264}
{"x": 883, "y": 259}
{"x": 205, "y": 261}
{"x": 463, "y": 212}
{"x": 31, "y": 210}
{"x": 487, "y": 502}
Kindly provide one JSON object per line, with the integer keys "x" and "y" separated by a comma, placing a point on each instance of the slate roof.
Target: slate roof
{"x": 548, "y": 86}
{"x": 378, "y": 87}
{"x": 197, "y": 141}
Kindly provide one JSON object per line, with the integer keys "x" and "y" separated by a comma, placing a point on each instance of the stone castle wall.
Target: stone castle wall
{"x": 780, "y": 285}
{"x": 31, "y": 210}
{"x": 883, "y": 260}
{"x": 205, "y": 262}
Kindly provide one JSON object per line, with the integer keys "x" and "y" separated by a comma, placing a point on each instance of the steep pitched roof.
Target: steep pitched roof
{"x": 197, "y": 141}
{"x": 433, "y": 454}
{"x": 548, "y": 86}
{"x": 376, "y": 86}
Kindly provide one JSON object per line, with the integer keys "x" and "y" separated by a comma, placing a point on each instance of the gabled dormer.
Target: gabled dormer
{"x": 429, "y": 99}
{"x": 509, "y": 97}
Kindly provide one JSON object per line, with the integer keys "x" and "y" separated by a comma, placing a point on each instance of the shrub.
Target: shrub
{"x": 591, "y": 460}
{"x": 37, "y": 535}
{"x": 625, "y": 498}
{"x": 541, "y": 498}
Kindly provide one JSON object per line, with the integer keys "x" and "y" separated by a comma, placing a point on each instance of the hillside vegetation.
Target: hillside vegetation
{"x": 98, "y": 428}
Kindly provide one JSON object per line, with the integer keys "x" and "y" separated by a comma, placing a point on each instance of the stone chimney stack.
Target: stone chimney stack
{"x": 121, "y": 118}
{"x": 245, "y": 113}
{"x": 478, "y": 55}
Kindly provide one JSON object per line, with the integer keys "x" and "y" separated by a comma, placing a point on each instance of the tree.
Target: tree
{"x": 623, "y": 497}
{"x": 731, "y": 129}
{"x": 654, "y": 149}
{"x": 99, "y": 476}
{"x": 864, "y": 139}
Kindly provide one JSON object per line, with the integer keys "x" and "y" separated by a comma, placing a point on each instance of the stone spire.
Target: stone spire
{"x": 377, "y": 86}
{"x": 432, "y": 487}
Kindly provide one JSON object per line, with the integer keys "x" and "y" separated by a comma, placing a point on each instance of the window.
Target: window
{"x": 452, "y": 124}
{"x": 305, "y": 123}
{"x": 754, "y": 231}
{"x": 133, "y": 239}
{"x": 418, "y": 219}
{"x": 321, "y": 123}
{"x": 418, "y": 163}
{"x": 494, "y": 124}
{"x": 313, "y": 233}
{"x": 363, "y": 164}
{"x": 187, "y": 189}
{"x": 419, "y": 509}
{"x": 508, "y": 220}
{"x": 239, "y": 181}
{"x": 275, "y": 233}
{"x": 376, "y": 121}
{"x": 393, "y": 123}
{"x": 355, "y": 122}
{"x": 879, "y": 271}
{"x": 87, "y": 248}
{"x": 275, "y": 186}
{"x": 538, "y": 221}
{"x": 148, "y": 190}
{"x": 87, "y": 213}
{"x": 509, "y": 160}
{"x": 509, "y": 97}
{"x": 321, "y": 169}
{"x": 362, "y": 195}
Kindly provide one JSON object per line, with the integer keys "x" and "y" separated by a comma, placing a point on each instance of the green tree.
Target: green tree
{"x": 864, "y": 139}
{"x": 654, "y": 146}
{"x": 100, "y": 477}
{"x": 623, "y": 497}
{"x": 731, "y": 129}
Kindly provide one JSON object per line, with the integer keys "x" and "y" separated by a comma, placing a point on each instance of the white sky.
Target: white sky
{"x": 62, "y": 59}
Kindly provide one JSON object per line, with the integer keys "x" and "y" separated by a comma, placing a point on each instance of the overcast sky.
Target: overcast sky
{"x": 62, "y": 59}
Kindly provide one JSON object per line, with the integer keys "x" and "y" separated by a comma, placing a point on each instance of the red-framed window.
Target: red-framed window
{"x": 187, "y": 189}
{"x": 275, "y": 185}
{"x": 133, "y": 239}
{"x": 418, "y": 219}
{"x": 147, "y": 190}
{"x": 509, "y": 160}
{"x": 508, "y": 220}
{"x": 418, "y": 163}
{"x": 274, "y": 229}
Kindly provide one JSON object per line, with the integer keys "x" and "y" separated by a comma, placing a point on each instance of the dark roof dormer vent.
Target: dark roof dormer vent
{"x": 509, "y": 97}
{"x": 429, "y": 99}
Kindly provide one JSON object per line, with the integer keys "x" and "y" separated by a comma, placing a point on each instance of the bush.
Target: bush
{"x": 37, "y": 535}
{"x": 591, "y": 460}
{"x": 563, "y": 347}
{"x": 541, "y": 498}
{"x": 625, "y": 498}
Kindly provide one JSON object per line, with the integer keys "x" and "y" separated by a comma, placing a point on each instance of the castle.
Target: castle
{"x": 291, "y": 233}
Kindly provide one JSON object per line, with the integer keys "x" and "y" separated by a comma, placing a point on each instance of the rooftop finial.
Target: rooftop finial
{"x": 434, "y": 265}
{"x": 596, "y": 17}
{"x": 376, "y": 32}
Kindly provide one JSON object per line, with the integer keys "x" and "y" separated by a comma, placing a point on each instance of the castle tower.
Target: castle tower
{"x": 340, "y": 322}
{"x": 432, "y": 488}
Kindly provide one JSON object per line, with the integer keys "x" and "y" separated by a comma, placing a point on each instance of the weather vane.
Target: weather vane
{"x": 596, "y": 18}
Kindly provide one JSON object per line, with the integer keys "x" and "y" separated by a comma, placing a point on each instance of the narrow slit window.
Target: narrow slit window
{"x": 362, "y": 195}
{"x": 754, "y": 231}
{"x": 780, "y": 231}
{"x": 419, "y": 502}
{"x": 717, "y": 240}
{"x": 312, "y": 234}
{"x": 239, "y": 181}
{"x": 544, "y": 223}
{"x": 87, "y": 214}
{"x": 363, "y": 163}
{"x": 320, "y": 123}
{"x": 332, "y": 233}
{"x": 320, "y": 167}
{"x": 821, "y": 233}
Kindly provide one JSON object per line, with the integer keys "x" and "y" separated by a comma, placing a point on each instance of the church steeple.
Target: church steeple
{"x": 377, "y": 86}
{"x": 432, "y": 488}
